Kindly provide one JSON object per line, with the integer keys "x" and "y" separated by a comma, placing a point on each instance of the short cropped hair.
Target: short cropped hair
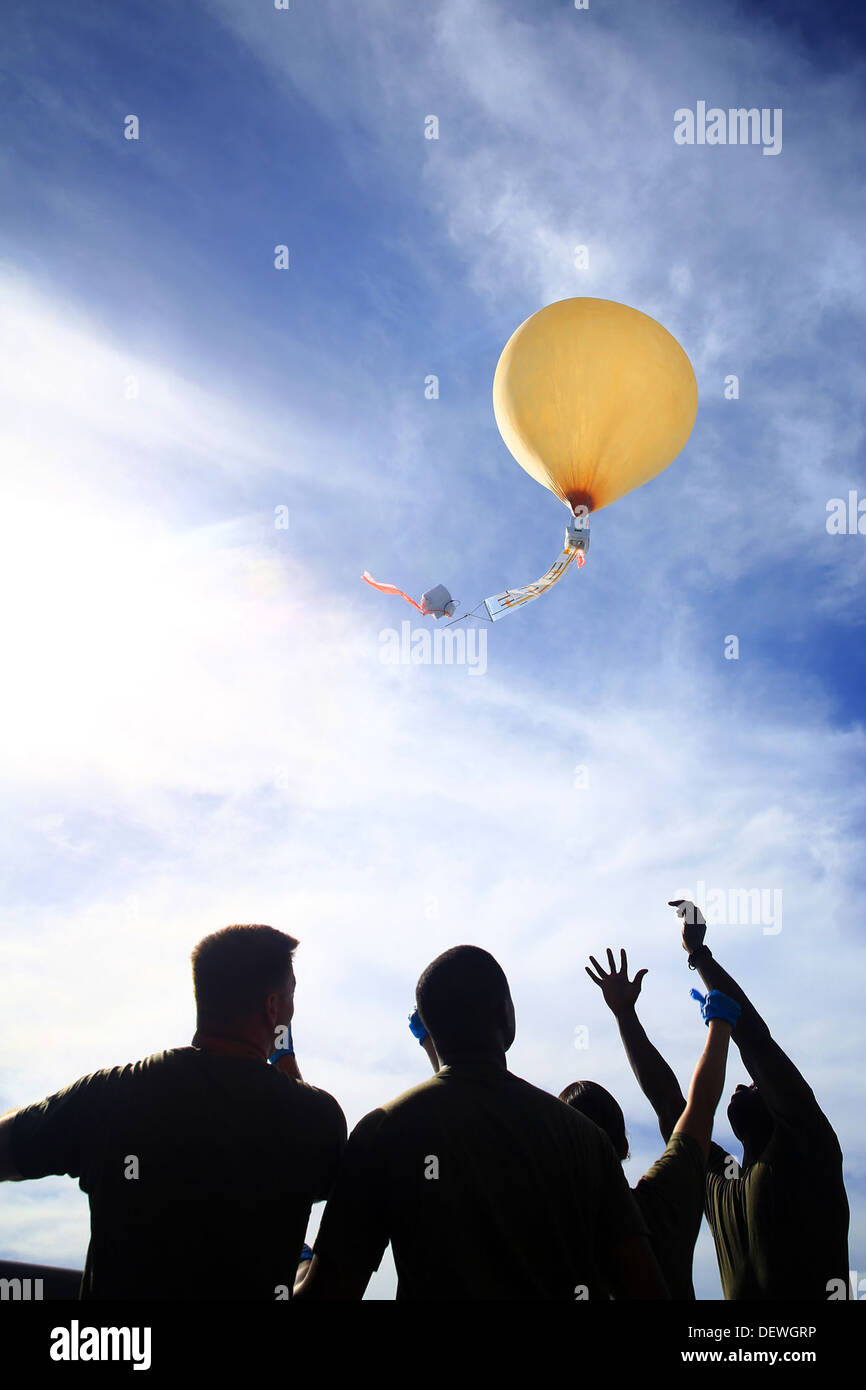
{"x": 460, "y": 997}
{"x": 233, "y": 970}
{"x": 598, "y": 1105}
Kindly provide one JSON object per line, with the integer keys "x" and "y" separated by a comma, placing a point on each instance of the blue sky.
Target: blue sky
{"x": 200, "y": 729}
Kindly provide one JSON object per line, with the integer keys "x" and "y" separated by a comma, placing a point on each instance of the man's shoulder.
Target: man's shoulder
{"x": 426, "y": 1096}
{"x": 682, "y": 1152}
{"x": 172, "y": 1058}
{"x": 807, "y": 1156}
{"x": 184, "y": 1065}
{"x": 680, "y": 1168}
{"x": 455, "y": 1088}
{"x": 811, "y": 1133}
{"x": 555, "y": 1112}
{"x": 453, "y": 1084}
{"x": 434, "y": 1098}
{"x": 312, "y": 1099}
{"x": 104, "y": 1079}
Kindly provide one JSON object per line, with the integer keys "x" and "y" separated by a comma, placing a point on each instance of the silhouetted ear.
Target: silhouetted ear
{"x": 510, "y": 1024}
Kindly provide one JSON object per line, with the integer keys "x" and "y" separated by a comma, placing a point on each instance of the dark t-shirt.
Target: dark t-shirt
{"x": 200, "y": 1169}
{"x": 671, "y": 1199}
{"x": 781, "y": 1229}
{"x": 486, "y": 1187}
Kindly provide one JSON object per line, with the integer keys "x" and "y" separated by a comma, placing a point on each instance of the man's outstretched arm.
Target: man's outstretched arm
{"x": 8, "y": 1171}
{"x": 783, "y": 1088}
{"x": 654, "y": 1076}
{"x": 706, "y": 1085}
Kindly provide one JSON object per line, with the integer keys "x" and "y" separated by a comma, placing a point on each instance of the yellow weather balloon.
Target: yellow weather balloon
{"x": 593, "y": 399}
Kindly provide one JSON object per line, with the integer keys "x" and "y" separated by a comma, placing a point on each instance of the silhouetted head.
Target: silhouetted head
{"x": 465, "y": 1003}
{"x": 244, "y": 983}
{"x": 599, "y": 1106}
{"x": 750, "y": 1119}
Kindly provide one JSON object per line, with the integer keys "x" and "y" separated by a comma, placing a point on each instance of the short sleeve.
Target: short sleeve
{"x": 50, "y": 1136}
{"x": 674, "y": 1186}
{"x": 333, "y": 1145}
{"x": 354, "y": 1231}
{"x": 671, "y": 1196}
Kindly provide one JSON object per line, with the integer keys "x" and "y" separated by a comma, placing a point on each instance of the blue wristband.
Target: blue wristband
{"x": 306, "y": 1253}
{"x": 416, "y": 1027}
{"x": 717, "y": 1005}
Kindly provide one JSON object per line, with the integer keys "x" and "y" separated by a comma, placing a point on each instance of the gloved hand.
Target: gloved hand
{"x": 417, "y": 1027}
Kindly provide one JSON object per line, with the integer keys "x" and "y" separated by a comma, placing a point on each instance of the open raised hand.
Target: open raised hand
{"x": 619, "y": 991}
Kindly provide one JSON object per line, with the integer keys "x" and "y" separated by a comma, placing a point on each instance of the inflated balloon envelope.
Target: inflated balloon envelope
{"x": 593, "y": 399}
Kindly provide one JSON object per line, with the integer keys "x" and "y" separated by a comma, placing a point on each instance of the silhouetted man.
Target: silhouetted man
{"x": 201, "y": 1163}
{"x": 485, "y": 1186}
{"x": 671, "y": 1194}
{"x": 781, "y": 1224}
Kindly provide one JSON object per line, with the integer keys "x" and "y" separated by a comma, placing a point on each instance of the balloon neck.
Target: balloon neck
{"x": 582, "y": 500}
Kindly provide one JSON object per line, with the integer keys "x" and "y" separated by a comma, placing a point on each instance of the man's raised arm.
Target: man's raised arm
{"x": 784, "y": 1090}
{"x": 8, "y": 1171}
{"x": 654, "y": 1076}
{"x": 719, "y": 1013}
